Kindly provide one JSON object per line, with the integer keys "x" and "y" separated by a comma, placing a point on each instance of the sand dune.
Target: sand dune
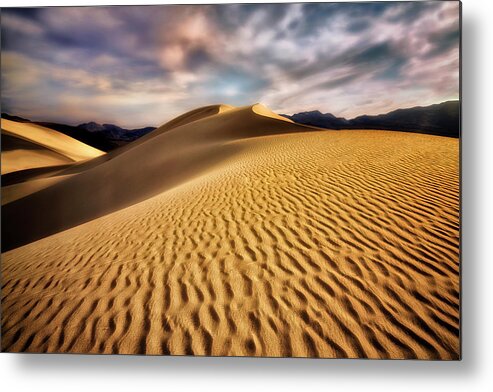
{"x": 194, "y": 115}
{"x": 35, "y": 176}
{"x": 14, "y": 192}
{"x": 27, "y": 146}
{"x": 242, "y": 235}
{"x": 166, "y": 157}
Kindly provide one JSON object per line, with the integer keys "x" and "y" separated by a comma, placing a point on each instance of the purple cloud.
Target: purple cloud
{"x": 139, "y": 66}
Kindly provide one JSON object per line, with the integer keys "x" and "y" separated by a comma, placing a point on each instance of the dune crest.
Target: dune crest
{"x": 51, "y": 139}
{"x": 264, "y": 111}
{"x": 172, "y": 154}
{"x": 195, "y": 115}
{"x": 27, "y": 146}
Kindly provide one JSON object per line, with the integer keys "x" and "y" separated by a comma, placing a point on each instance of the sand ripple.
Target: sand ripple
{"x": 324, "y": 244}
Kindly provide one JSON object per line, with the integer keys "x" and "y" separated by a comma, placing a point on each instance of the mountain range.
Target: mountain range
{"x": 440, "y": 119}
{"x": 114, "y": 132}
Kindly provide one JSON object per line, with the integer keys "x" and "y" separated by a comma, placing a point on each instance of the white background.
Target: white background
{"x": 20, "y": 372}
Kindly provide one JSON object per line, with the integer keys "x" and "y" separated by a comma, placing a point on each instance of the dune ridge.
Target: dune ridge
{"x": 195, "y": 115}
{"x": 34, "y": 177}
{"x": 19, "y": 155}
{"x": 27, "y": 145}
{"x": 162, "y": 159}
{"x": 316, "y": 243}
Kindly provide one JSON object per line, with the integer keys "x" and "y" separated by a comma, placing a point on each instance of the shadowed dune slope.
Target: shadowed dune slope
{"x": 28, "y": 180}
{"x": 19, "y": 155}
{"x": 14, "y": 192}
{"x": 27, "y": 146}
{"x": 323, "y": 244}
{"x": 22, "y": 183}
{"x": 194, "y": 115}
{"x": 32, "y": 152}
{"x": 162, "y": 159}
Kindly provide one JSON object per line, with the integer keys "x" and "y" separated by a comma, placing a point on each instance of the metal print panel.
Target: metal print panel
{"x": 277, "y": 180}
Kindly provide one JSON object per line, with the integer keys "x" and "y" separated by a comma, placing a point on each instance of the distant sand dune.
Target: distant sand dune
{"x": 257, "y": 241}
{"x": 26, "y": 146}
{"x": 33, "y": 157}
{"x": 26, "y": 155}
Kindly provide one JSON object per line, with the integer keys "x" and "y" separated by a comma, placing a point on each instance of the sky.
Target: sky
{"x": 143, "y": 65}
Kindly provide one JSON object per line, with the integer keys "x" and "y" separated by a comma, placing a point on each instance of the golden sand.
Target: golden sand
{"x": 27, "y": 145}
{"x": 244, "y": 234}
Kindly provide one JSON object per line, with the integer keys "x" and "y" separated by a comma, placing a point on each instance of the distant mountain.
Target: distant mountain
{"x": 96, "y": 140}
{"x": 105, "y": 137}
{"x": 14, "y": 118}
{"x": 114, "y": 132}
{"x": 318, "y": 119}
{"x": 440, "y": 119}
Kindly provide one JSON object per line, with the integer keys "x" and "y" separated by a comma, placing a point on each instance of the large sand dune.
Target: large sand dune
{"x": 235, "y": 233}
{"x": 166, "y": 157}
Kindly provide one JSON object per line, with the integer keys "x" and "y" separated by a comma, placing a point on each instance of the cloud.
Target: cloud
{"x": 140, "y": 65}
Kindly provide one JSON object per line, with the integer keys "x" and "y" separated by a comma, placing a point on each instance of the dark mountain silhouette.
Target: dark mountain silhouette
{"x": 318, "y": 119}
{"x": 105, "y": 137}
{"x": 114, "y": 132}
{"x": 14, "y": 118}
{"x": 440, "y": 119}
{"x": 95, "y": 140}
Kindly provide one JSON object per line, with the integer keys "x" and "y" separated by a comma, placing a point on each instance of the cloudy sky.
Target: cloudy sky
{"x": 139, "y": 66}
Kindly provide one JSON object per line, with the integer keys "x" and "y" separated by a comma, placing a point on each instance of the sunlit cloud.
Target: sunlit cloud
{"x": 139, "y": 66}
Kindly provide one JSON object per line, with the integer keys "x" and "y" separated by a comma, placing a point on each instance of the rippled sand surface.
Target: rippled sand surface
{"x": 306, "y": 244}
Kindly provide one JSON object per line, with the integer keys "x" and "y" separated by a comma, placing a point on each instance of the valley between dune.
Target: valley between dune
{"x": 279, "y": 242}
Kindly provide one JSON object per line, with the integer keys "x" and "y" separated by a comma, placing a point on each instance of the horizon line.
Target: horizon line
{"x": 279, "y": 113}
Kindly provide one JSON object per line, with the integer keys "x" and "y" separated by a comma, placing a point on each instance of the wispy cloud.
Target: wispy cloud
{"x": 142, "y": 65}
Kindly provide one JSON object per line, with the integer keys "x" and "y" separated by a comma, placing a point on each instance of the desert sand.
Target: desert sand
{"x": 233, "y": 231}
{"x": 27, "y": 146}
